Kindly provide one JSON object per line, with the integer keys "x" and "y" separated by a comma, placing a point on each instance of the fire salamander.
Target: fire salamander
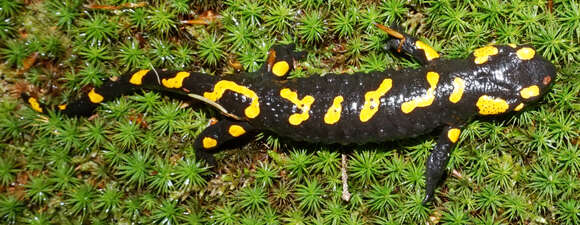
{"x": 351, "y": 109}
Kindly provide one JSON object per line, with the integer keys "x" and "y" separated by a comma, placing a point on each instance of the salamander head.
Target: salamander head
{"x": 534, "y": 74}
{"x": 520, "y": 74}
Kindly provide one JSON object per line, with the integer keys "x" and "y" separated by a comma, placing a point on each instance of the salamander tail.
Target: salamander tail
{"x": 185, "y": 83}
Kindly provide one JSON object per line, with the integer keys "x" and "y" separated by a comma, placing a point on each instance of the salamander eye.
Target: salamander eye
{"x": 547, "y": 80}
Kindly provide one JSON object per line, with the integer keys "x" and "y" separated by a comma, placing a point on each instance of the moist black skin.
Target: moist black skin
{"x": 506, "y": 79}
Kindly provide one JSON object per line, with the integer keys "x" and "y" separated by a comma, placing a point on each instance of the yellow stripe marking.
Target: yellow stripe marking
{"x": 424, "y": 100}
{"x": 209, "y": 142}
{"x": 222, "y": 86}
{"x": 430, "y": 53}
{"x": 333, "y": 114}
{"x": 236, "y": 130}
{"x": 488, "y": 105}
{"x": 137, "y": 78}
{"x": 280, "y": 68}
{"x": 519, "y": 107}
{"x": 453, "y": 134}
{"x": 95, "y": 97}
{"x": 372, "y": 100}
{"x": 529, "y": 92}
{"x": 175, "y": 82}
{"x": 303, "y": 105}
{"x": 458, "y": 88}
{"x": 34, "y": 104}
{"x": 482, "y": 54}
{"x": 526, "y": 53}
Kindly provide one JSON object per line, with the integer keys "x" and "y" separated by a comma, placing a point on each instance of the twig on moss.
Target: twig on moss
{"x": 345, "y": 193}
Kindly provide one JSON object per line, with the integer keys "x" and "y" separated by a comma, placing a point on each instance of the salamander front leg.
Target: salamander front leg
{"x": 402, "y": 42}
{"x": 217, "y": 134}
{"x": 281, "y": 60}
{"x": 438, "y": 160}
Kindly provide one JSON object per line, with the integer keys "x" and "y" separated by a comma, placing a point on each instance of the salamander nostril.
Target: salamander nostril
{"x": 547, "y": 80}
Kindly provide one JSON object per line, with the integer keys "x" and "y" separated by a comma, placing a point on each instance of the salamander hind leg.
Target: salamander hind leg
{"x": 438, "y": 160}
{"x": 402, "y": 42}
{"x": 216, "y": 134}
{"x": 281, "y": 61}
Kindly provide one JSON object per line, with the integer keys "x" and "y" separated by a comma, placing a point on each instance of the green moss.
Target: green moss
{"x": 10, "y": 8}
{"x": 7, "y": 171}
{"x": 133, "y": 162}
{"x": 10, "y": 208}
{"x": 6, "y": 29}
{"x": 161, "y": 20}
{"x": 98, "y": 29}
{"x": 64, "y": 13}
{"x": 343, "y": 23}
{"x": 280, "y": 18}
{"x": 311, "y": 196}
{"x": 240, "y": 35}
{"x": 15, "y": 52}
{"x": 211, "y": 49}
{"x": 131, "y": 55}
{"x": 266, "y": 174}
{"x": 312, "y": 27}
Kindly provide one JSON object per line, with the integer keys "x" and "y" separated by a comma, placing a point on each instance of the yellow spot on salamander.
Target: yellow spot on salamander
{"x": 222, "y": 86}
{"x": 519, "y": 107}
{"x": 333, "y": 114}
{"x": 372, "y": 100}
{"x": 175, "y": 82}
{"x": 209, "y": 142}
{"x": 236, "y": 130}
{"x": 34, "y": 104}
{"x": 280, "y": 68}
{"x": 137, "y": 78}
{"x": 453, "y": 134}
{"x": 512, "y": 45}
{"x": 430, "y": 53}
{"x": 62, "y": 107}
{"x": 95, "y": 97}
{"x": 526, "y": 53}
{"x": 488, "y": 105}
{"x": 529, "y": 92}
{"x": 303, "y": 105}
{"x": 482, "y": 54}
{"x": 426, "y": 99}
{"x": 458, "y": 88}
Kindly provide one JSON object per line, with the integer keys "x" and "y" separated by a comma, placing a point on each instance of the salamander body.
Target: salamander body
{"x": 351, "y": 108}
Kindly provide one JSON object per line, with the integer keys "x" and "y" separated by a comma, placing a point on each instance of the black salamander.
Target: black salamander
{"x": 357, "y": 108}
